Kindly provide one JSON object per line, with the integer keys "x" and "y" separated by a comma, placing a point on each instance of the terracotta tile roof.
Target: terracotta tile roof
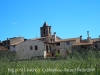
{"x": 3, "y": 48}
{"x": 60, "y": 40}
{"x": 82, "y": 44}
{"x": 95, "y": 40}
{"x": 46, "y": 37}
{"x": 50, "y": 42}
{"x": 71, "y": 38}
{"x": 41, "y": 37}
{"x": 65, "y": 40}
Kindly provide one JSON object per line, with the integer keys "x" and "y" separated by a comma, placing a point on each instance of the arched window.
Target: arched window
{"x": 51, "y": 39}
{"x": 46, "y": 48}
{"x": 31, "y": 47}
{"x": 50, "y": 48}
{"x": 44, "y": 30}
{"x": 36, "y": 48}
{"x": 49, "y": 29}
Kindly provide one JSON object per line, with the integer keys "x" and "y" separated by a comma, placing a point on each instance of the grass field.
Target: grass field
{"x": 87, "y": 64}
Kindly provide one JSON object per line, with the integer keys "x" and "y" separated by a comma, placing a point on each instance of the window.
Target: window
{"x": 8, "y": 47}
{"x": 73, "y": 47}
{"x": 96, "y": 46}
{"x": 49, "y": 29}
{"x": 31, "y": 47}
{"x": 51, "y": 39}
{"x": 44, "y": 31}
{"x": 0, "y": 44}
{"x": 50, "y": 48}
{"x": 8, "y": 42}
{"x": 58, "y": 44}
{"x": 13, "y": 45}
{"x": 36, "y": 48}
{"x": 58, "y": 51}
{"x": 68, "y": 43}
{"x": 46, "y": 48}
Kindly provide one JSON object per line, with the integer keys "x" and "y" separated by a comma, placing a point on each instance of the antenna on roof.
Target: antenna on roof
{"x": 36, "y": 35}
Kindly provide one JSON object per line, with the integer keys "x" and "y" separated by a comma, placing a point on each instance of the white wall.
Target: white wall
{"x": 63, "y": 45}
{"x": 60, "y": 46}
{"x": 78, "y": 40}
{"x": 24, "y": 52}
{"x": 12, "y": 48}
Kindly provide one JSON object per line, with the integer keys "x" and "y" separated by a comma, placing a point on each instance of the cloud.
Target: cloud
{"x": 14, "y": 23}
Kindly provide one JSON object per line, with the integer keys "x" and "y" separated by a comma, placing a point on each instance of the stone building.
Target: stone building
{"x": 45, "y": 30}
{"x": 11, "y": 42}
{"x": 48, "y": 45}
{"x": 6, "y": 43}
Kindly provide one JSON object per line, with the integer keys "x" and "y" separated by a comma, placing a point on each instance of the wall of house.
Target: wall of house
{"x": 51, "y": 45}
{"x": 6, "y": 43}
{"x": 15, "y": 40}
{"x": 78, "y": 40}
{"x": 24, "y": 52}
{"x": 76, "y": 48}
{"x": 90, "y": 40}
{"x": 69, "y": 47}
{"x": 63, "y": 52}
{"x": 64, "y": 46}
{"x": 98, "y": 44}
{"x": 12, "y": 48}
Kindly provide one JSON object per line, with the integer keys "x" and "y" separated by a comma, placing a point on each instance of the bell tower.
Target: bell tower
{"x": 45, "y": 30}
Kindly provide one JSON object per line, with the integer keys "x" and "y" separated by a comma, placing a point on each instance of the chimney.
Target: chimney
{"x": 87, "y": 34}
{"x": 54, "y": 36}
{"x": 7, "y": 38}
{"x": 80, "y": 38}
{"x": 88, "y": 38}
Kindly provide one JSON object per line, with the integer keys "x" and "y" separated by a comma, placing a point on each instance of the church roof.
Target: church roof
{"x": 45, "y": 24}
{"x": 78, "y": 44}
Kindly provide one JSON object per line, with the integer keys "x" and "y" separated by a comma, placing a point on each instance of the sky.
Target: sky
{"x": 68, "y": 18}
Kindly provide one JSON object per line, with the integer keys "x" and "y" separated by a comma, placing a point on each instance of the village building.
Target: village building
{"x": 48, "y": 45}
{"x": 10, "y": 43}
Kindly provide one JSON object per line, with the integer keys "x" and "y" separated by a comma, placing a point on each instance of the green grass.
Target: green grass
{"x": 85, "y": 64}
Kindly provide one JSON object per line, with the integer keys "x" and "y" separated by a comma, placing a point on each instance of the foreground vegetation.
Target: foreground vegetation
{"x": 88, "y": 63}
